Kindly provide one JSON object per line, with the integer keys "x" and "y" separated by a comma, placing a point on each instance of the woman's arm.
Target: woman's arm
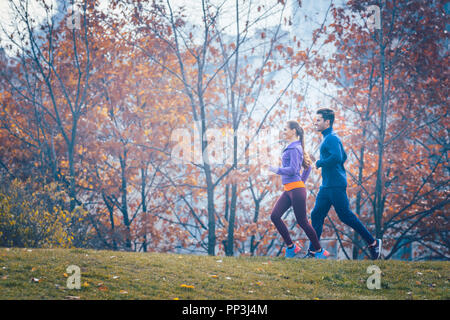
{"x": 294, "y": 156}
{"x": 306, "y": 173}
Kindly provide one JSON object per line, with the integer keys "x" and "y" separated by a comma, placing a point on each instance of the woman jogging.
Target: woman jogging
{"x": 294, "y": 194}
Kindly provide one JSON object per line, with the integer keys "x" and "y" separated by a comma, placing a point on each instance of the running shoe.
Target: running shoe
{"x": 291, "y": 252}
{"x": 323, "y": 254}
{"x": 309, "y": 255}
{"x": 375, "y": 251}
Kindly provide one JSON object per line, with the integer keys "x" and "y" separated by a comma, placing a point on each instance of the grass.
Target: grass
{"x": 41, "y": 274}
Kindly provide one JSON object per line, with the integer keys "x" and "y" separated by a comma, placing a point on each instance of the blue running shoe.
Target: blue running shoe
{"x": 323, "y": 254}
{"x": 291, "y": 252}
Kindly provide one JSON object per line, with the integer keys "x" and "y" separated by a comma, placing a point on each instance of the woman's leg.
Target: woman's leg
{"x": 298, "y": 199}
{"x": 283, "y": 203}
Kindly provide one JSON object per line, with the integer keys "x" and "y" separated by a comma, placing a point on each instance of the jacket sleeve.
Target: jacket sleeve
{"x": 306, "y": 173}
{"x": 293, "y": 165}
{"x": 335, "y": 153}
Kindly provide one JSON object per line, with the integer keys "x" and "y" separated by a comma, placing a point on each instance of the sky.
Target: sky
{"x": 193, "y": 9}
{"x": 309, "y": 17}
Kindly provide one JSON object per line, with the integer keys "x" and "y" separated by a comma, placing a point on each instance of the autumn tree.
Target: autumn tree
{"x": 50, "y": 83}
{"x": 390, "y": 88}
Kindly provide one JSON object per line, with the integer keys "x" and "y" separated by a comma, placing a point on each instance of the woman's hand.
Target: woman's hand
{"x": 272, "y": 169}
{"x": 308, "y": 160}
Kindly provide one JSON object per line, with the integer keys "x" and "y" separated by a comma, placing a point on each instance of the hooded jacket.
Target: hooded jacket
{"x": 291, "y": 161}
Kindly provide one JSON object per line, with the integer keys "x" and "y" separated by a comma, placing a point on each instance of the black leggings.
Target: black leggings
{"x": 297, "y": 198}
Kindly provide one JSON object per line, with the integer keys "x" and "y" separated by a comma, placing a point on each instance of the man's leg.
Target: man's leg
{"x": 320, "y": 211}
{"x": 341, "y": 205}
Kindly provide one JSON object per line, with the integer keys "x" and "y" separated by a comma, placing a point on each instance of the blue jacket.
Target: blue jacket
{"x": 332, "y": 158}
{"x": 291, "y": 161}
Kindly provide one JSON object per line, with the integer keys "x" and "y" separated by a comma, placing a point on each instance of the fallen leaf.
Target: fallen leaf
{"x": 33, "y": 269}
{"x": 123, "y": 292}
{"x": 213, "y": 275}
{"x": 65, "y": 275}
{"x": 102, "y": 288}
{"x": 85, "y": 284}
{"x": 176, "y": 298}
{"x": 187, "y": 286}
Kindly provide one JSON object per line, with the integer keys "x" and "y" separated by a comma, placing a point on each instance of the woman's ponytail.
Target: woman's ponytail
{"x": 307, "y": 162}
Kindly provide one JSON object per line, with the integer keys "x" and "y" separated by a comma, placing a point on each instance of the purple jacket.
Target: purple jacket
{"x": 292, "y": 163}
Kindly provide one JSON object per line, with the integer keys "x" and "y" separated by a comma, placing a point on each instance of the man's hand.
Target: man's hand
{"x": 318, "y": 164}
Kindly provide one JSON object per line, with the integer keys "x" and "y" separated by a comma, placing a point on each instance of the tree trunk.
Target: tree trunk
{"x": 379, "y": 200}
{"x": 124, "y": 205}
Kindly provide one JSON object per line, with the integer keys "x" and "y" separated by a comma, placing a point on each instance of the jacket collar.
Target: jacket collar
{"x": 327, "y": 131}
{"x": 292, "y": 145}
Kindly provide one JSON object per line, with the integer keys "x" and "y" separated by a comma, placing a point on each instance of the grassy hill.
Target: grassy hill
{"x": 41, "y": 274}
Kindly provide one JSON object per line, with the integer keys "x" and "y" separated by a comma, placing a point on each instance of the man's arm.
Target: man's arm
{"x": 335, "y": 156}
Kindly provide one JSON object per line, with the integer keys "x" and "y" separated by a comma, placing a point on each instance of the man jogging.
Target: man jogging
{"x": 333, "y": 191}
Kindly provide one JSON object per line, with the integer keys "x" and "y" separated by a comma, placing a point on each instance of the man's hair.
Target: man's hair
{"x": 327, "y": 114}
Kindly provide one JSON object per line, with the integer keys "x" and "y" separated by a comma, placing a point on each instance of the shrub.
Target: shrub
{"x": 36, "y": 219}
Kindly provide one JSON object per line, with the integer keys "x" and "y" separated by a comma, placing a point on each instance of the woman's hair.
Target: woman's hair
{"x": 300, "y": 134}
